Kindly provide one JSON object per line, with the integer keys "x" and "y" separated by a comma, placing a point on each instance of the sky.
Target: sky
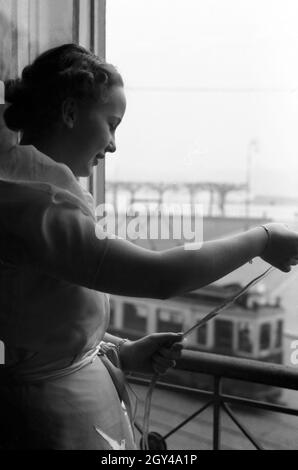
{"x": 212, "y": 91}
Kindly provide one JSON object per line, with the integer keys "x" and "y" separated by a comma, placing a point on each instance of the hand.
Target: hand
{"x": 282, "y": 247}
{"x": 155, "y": 353}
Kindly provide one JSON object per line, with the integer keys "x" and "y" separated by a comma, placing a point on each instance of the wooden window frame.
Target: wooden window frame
{"x": 92, "y": 12}
{"x": 88, "y": 29}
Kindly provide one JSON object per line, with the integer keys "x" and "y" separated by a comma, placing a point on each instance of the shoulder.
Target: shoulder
{"x": 89, "y": 200}
{"x": 25, "y": 163}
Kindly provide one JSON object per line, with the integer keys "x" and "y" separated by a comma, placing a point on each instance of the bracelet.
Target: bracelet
{"x": 268, "y": 238}
{"x": 118, "y": 346}
{"x": 268, "y": 234}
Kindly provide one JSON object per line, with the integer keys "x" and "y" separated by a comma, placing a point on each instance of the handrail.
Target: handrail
{"x": 239, "y": 368}
{"x": 221, "y": 367}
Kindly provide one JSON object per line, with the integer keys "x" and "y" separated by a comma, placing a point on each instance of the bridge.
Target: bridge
{"x": 218, "y": 192}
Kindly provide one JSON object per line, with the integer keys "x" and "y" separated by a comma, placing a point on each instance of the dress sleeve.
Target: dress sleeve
{"x": 51, "y": 230}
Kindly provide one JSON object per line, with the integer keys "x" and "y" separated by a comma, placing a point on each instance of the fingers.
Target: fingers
{"x": 282, "y": 249}
{"x": 165, "y": 358}
{"x": 161, "y": 364}
{"x": 166, "y": 339}
{"x": 163, "y": 349}
{"x": 174, "y": 352}
{"x": 287, "y": 266}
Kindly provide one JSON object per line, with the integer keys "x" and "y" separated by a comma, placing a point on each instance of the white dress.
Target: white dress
{"x": 54, "y": 384}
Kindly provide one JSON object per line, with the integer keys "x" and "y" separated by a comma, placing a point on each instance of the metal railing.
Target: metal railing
{"x": 226, "y": 367}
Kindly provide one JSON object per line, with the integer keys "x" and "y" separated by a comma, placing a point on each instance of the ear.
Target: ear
{"x": 104, "y": 93}
{"x": 69, "y": 112}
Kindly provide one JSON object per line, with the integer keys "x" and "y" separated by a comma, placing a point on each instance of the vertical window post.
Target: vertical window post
{"x": 99, "y": 45}
{"x": 89, "y": 30}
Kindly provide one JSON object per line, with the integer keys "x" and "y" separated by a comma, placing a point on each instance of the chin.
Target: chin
{"x": 85, "y": 172}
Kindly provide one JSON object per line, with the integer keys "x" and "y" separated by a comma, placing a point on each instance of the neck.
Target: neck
{"x": 54, "y": 146}
{"x": 46, "y": 146}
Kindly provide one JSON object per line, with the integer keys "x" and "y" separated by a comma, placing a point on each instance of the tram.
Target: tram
{"x": 251, "y": 328}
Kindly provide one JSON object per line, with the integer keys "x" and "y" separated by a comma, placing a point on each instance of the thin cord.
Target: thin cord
{"x": 147, "y": 409}
{"x": 227, "y": 303}
{"x": 208, "y": 317}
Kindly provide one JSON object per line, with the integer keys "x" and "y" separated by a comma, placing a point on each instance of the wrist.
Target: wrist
{"x": 268, "y": 233}
{"x": 121, "y": 344}
{"x": 268, "y": 238}
{"x": 121, "y": 349}
{"x": 261, "y": 240}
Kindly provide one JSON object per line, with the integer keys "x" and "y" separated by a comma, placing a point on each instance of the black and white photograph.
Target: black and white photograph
{"x": 148, "y": 228}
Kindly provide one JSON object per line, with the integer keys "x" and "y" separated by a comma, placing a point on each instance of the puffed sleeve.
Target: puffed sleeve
{"x": 49, "y": 229}
{"x": 52, "y": 230}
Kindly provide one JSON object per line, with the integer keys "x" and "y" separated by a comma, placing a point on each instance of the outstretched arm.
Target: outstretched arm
{"x": 59, "y": 239}
{"x": 138, "y": 272}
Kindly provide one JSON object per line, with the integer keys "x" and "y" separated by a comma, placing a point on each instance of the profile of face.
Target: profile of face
{"x": 88, "y": 130}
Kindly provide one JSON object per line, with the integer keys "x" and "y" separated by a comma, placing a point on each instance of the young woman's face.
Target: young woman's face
{"x": 93, "y": 131}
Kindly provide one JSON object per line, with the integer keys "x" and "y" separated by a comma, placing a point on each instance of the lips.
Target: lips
{"x": 98, "y": 156}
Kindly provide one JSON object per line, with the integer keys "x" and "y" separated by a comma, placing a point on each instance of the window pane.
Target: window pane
{"x": 206, "y": 94}
{"x": 265, "y": 334}
{"x": 169, "y": 320}
{"x": 224, "y": 335}
{"x": 202, "y": 334}
{"x": 245, "y": 337}
{"x": 278, "y": 334}
{"x": 132, "y": 319}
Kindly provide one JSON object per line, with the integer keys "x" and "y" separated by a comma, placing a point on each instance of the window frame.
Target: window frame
{"x": 88, "y": 30}
{"x": 252, "y": 335}
{"x": 223, "y": 349}
{"x": 127, "y": 314}
{"x": 268, "y": 349}
{"x": 95, "y": 13}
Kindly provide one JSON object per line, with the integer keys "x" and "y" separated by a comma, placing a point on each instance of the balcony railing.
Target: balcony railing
{"x": 221, "y": 367}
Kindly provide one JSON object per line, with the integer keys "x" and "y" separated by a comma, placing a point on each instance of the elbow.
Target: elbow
{"x": 158, "y": 291}
{"x": 163, "y": 295}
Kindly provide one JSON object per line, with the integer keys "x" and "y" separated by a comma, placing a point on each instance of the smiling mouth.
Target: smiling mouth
{"x": 98, "y": 156}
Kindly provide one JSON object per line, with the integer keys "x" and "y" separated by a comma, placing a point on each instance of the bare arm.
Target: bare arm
{"x": 130, "y": 270}
{"x": 60, "y": 240}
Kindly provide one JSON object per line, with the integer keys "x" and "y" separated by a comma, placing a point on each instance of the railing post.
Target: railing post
{"x": 216, "y": 413}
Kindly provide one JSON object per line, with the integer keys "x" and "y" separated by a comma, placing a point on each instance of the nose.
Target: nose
{"x": 111, "y": 147}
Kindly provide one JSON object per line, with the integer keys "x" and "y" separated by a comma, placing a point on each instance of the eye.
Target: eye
{"x": 113, "y": 123}
{"x": 112, "y": 127}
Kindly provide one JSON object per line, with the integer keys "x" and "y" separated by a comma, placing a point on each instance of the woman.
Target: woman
{"x": 54, "y": 269}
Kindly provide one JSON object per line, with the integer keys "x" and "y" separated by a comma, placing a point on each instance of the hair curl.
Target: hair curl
{"x": 57, "y": 74}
